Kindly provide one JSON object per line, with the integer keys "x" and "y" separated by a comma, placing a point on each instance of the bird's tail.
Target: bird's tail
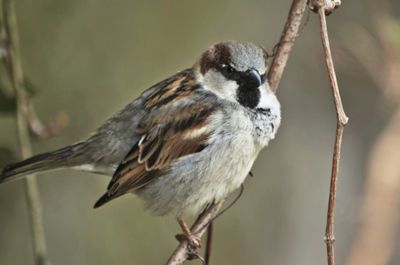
{"x": 38, "y": 163}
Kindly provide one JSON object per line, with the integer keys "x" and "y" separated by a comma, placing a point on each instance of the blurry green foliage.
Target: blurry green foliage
{"x": 7, "y": 102}
{"x": 7, "y": 99}
{"x": 30, "y": 87}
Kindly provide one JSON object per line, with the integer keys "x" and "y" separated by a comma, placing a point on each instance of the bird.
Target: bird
{"x": 184, "y": 143}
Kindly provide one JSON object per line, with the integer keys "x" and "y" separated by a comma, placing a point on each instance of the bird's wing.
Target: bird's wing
{"x": 176, "y": 125}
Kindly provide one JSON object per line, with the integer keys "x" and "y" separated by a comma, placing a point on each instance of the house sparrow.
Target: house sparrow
{"x": 185, "y": 142}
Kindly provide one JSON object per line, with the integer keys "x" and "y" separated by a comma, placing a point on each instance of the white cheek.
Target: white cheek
{"x": 229, "y": 89}
{"x": 215, "y": 82}
{"x": 268, "y": 100}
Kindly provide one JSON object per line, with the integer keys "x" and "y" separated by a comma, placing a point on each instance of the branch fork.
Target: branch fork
{"x": 328, "y": 5}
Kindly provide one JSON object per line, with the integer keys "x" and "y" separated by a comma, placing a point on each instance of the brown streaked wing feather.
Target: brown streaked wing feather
{"x": 179, "y": 87}
{"x": 169, "y": 133}
{"x": 169, "y": 149}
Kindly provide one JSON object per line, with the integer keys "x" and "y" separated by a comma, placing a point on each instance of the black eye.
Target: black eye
{"x": 228, "y": 71}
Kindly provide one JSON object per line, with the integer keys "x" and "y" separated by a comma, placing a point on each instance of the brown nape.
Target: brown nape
{"x": 215, "y": 56}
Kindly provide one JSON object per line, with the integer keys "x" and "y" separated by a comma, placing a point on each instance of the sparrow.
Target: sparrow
{"x": 184, "y": 143}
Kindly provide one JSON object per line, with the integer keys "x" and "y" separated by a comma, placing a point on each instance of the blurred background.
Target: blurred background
{"x": 87, "y": 59}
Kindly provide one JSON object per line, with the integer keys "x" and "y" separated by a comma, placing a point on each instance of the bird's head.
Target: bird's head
{"x": 235, "y": 71}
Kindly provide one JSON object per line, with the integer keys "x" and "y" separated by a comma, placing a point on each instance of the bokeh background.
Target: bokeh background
{"x": 88, "y": 59}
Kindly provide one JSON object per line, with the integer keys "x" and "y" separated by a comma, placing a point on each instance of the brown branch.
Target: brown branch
{"x": 289, "y": 35}
{"x": 207, "y": 254}
{"x": 323, "y": 8}
{"x": 17, "y": 79}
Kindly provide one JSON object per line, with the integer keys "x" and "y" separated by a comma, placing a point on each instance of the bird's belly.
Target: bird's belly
{"x": 201, "y": 178}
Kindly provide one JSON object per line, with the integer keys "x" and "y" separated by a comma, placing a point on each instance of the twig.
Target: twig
{"x": 323, "y": 8}
{"x": 207, "y": 254}
{"x": 289, "y": 35}
{"x": 341, "y": 122}
{"x": 17, "y": 79}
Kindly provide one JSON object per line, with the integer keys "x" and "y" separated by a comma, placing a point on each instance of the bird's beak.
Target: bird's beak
{"x": 253, "y": 78}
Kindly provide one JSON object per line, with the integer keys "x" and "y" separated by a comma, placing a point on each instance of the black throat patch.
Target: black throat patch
{"x": 247, "y": 94}
{"x": 248, "y": 97}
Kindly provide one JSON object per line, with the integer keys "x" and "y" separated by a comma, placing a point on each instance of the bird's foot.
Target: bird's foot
{"x": 193, "y": 241}
{"x": 193, "y": 245}
{"x": 187, "y": 235}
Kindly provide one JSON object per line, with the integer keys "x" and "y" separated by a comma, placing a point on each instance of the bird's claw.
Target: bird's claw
{"x": 192, "y": 240}
{"x": 194, "y": 244}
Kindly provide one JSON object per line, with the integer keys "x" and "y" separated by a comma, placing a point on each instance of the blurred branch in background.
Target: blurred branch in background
{"x": 34, "y": 124}
{"x": 289, "y": 35}
{"x": 379, "y": 55}
{"x": 12, "y": 60}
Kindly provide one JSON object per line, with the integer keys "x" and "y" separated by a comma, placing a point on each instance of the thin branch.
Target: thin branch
{"x": 289, "y": 35}
{"x": 323, "y": 8}
{"x": 17, "y": 80}
{"x": 341, "y": 115}
{"x": 207, "y": 255}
